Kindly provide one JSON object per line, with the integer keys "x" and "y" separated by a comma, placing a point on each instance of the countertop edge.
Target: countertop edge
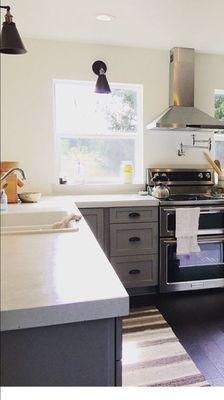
{"x": 117, "y": 203}
{"x": 64, "y": 314}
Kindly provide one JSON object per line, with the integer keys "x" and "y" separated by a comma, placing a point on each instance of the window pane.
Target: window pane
{"x": 94, "y": 160}
{"x": 219, "y": 106}
{"x": 80, "y": 111}
{"x": 219, "y": 151}
{"x": 121, "y": 112}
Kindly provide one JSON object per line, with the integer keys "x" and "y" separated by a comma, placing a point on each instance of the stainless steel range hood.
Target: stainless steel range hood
{"x": 181, "y": 114}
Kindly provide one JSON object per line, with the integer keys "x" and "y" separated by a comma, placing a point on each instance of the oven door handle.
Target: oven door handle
{"x": 212, "y": 211}
{"x": 169, "y": 210}
{"x": 202, "y": 211}
{"x": 169, "y": 241}
{"x": 201, "y": 239}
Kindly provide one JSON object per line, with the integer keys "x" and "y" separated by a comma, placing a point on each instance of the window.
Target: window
{"x": 96, "y": 132}
{"x": 219, "y": 138}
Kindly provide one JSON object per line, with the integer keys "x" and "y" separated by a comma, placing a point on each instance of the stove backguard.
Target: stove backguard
{"x": 182, "y": 181}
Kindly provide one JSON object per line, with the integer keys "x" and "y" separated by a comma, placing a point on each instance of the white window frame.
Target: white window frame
{"x": 139, "y": 178}
{"x": 219, "y": 91}
{"x": 219, "y": 137}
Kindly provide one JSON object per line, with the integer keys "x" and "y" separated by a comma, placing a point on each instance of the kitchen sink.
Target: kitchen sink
{"x": 12, "y": 230}
{"x": 32, "y": 218}
{"x": 34, "y": 222}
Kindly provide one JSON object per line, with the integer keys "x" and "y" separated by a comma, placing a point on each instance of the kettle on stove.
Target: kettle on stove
{"x": 160, "y": 190}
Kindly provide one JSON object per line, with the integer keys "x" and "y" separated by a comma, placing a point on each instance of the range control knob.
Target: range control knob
{"x": 208, "y": 175}
{"x": 200, "y": 175}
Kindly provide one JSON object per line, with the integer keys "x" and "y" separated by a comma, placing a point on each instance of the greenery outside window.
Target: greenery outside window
{"x": 219, "y": 138}
{"x": 96, "y": 132}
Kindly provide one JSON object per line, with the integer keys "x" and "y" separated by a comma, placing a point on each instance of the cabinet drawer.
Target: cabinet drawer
{"x": 137, "y": 271}
{"x": 133, "y": 214}
{"x": 133, "y": 239}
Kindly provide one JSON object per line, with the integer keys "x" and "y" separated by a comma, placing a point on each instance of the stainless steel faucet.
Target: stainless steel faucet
{"x": 11, "y": 171}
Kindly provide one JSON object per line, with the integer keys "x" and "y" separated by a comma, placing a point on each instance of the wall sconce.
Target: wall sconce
{"x": 10, "y": 41}
{"x": 102, "y": 86}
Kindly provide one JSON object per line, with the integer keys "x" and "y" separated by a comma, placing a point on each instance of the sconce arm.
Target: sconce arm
{"x": 5, "y": 7}
{"x": 8, "y": 15}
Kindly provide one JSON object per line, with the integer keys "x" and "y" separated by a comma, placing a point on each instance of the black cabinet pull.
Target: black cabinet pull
{"x": 134, "y": 215}
{"x": 134, "y": 271}
{"x": 134, "y": 239}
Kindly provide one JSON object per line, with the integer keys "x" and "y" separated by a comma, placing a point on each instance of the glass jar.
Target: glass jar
{"x": 127, "y": 172}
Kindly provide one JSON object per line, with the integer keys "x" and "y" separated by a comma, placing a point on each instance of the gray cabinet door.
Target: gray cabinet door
{"x": 133, "y": 214}
{"x": 133, "y": 239}
{"x": 95, "y": 219}
{"x": 137, "y": 271}
{"x": 77, "y": 354}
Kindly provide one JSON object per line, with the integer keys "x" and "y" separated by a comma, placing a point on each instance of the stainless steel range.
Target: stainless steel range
{"x": 190, "y": 188}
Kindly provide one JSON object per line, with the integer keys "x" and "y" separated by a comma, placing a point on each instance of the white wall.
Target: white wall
{"x": 27, "y": 117}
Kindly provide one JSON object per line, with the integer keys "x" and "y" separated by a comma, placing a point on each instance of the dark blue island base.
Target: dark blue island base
{"x": 75, "y": 354}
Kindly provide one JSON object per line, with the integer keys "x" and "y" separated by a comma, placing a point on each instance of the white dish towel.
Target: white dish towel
{"x": 187, "y": 221}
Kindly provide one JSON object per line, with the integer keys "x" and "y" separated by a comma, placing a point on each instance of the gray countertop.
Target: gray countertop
{"x": 56, "y": 278}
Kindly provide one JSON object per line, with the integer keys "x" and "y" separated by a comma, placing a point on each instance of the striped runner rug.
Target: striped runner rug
{"x": 152, "y": 354}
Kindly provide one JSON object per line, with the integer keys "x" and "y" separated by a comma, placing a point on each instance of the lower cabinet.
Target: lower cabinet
{"x": 137, "y": 271}
{"x": 129, "y": 237}
{"x": 76, "y": 354}
{"x": 95, "y": 219}
{"x": 134, "y": 246}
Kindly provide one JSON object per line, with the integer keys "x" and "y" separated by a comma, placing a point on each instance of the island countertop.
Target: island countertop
{"x": 57, "y": 278}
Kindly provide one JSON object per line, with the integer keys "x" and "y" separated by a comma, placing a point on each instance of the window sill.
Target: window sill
{"x": 98, "y": 188}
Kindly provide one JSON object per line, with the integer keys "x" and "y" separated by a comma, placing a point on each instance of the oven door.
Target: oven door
{"x": 211, "y": 221}
{"x": 194, "y": 271}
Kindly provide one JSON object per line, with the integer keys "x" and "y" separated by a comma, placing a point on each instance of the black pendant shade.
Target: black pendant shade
{"x": 10, "y": 40}
{"x": 102, "y": 85}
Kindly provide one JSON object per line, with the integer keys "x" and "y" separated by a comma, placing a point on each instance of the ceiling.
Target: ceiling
{"x": 159, "y": 24}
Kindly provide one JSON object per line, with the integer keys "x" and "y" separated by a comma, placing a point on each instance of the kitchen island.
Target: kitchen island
{"x": 61, "y": 307}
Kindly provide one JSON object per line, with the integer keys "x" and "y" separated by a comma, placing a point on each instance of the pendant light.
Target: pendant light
{"x": 10, "y": 40}
{"x": 102, "y": 85}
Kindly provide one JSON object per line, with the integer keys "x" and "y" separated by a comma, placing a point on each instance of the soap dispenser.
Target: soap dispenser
{"x": 3, "y": 200}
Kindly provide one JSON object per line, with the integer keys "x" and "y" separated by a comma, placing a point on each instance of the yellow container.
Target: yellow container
{"x": 127, "y": 172}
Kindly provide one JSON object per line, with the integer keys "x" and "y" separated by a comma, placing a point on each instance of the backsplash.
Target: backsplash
{"x": 160, "y": 149}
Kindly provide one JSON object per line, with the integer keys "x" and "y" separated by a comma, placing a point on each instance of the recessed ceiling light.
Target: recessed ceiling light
{"x": 105, "y": 17}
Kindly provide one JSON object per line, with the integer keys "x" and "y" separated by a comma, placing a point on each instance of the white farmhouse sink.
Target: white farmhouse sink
{"x": 18, "y": 230}
{"x": 34, "y": 222}
{"x": 32, "y": 218}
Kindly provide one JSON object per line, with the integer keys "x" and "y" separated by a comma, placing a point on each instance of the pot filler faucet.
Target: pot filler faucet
{"x": 11, "y": 171}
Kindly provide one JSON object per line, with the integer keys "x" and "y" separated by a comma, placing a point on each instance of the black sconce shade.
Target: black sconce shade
{"x": 102, "y": 85}
{"x": 10, "y": 40}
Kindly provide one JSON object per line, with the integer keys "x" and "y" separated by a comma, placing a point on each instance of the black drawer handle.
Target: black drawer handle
{"x": 134, "y": 215}
{"x": 134, "y": 272}
{"x": 134, "y": 239}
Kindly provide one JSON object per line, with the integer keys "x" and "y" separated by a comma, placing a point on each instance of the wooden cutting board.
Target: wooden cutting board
{"x": 11, "y": 190}
{"x": 12, "y": 181}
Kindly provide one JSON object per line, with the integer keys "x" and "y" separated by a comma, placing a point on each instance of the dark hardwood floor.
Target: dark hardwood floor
{"x": 197, "y": 318}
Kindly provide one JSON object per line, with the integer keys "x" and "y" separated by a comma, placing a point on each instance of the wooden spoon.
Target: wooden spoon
{"x": 213, "y": 164}
{"x": 217, "y": 162}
